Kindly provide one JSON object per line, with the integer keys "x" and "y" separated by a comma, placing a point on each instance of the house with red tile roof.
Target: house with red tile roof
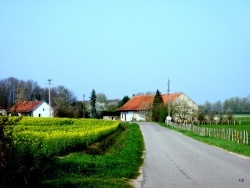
{"x": 139, "y": 107}
{"x": 3, "y": 112}
{"x": 32, "y": 109}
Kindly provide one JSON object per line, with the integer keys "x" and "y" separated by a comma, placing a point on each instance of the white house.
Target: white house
{"x": 32, "y": 109}
{"x": 139, "y": 108}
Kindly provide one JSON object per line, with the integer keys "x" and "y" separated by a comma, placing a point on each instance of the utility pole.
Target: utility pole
{"x": 18, "y": 97}
{"x": 83, "y": 106}
{"x": 49, "y": 80}
{"x": 168, "y": 98}
{"x": 169, "y": 117}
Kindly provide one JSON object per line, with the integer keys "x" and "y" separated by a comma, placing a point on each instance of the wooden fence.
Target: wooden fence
{"x": 239, "y": 136}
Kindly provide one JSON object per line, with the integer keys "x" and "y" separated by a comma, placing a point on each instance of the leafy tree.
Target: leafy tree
{"x": 158, "y": 100}
{"x": 201, "y": 115}
{"x": 207, "y": 107}
{"x": 149, "y": 93}
{"x": 123, "y": 101}
{"x": 112, "y": 107}
{"x": 138, "y": 94}
{"x": 229, "y": 113}
{"x": 217, "y": 107}
{"x": 93, "y": 113}
{"x": 101, "y": 98}
{"x": 221, "y": 118}
{"x": 211, "y": 116}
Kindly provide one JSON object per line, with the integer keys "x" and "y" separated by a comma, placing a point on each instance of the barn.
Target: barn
{"x": 138, "y": 107}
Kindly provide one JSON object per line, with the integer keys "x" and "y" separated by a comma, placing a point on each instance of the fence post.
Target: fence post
{"x": 247, "y": 136}
{"x": 244, "y": 137}
{"x": 232, "y": 137}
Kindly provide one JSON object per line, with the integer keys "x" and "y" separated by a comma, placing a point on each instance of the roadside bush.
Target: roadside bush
{"x": 5, "y": 120}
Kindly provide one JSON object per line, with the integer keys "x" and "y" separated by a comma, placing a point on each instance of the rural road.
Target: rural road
{"x": 175, "y": 160}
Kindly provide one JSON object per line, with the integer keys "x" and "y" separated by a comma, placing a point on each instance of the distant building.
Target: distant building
{"x": 139, "y": 107}
{"x": 3, "y": 112}
{"x": 109, "y": 115}
{"x": 32, "y": 109}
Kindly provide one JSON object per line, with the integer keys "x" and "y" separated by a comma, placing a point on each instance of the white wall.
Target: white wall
{"x": 111, "y": 117}
{"x": 188, "y": 100}
{"x": 131, "y": 116}
{"x": 42, "y": 111}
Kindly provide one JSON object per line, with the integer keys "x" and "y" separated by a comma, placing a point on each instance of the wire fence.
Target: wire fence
{"x": 239, "y": 136}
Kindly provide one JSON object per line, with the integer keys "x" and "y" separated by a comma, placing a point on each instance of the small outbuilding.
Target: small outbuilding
{"x": 32, "y": 109}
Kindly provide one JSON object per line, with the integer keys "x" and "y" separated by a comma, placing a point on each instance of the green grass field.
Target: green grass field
{"x": 245, "y": 123}
{"x": 238, "y": 127}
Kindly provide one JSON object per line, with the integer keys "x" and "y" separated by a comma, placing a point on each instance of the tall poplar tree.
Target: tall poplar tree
{"x": 93, "y": 113}
{"x": 157, "y": 103}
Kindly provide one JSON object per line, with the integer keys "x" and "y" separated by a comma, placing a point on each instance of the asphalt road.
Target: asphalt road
{"x": 175, "y": 160}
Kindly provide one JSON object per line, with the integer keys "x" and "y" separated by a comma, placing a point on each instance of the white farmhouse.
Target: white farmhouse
{"x": 32, "y": 109}
{"x": 139, "y": 108}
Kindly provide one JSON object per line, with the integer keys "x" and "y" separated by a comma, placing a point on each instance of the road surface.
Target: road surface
{"x": 175, "y": 160}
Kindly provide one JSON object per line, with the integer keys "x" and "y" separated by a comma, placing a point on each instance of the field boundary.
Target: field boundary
{"x": 239, "y": 136}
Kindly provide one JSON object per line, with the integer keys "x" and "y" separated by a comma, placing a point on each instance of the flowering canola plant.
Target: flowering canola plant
{"x": 48, "y": 137}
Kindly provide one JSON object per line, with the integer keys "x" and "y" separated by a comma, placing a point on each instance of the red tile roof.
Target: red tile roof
{"x": 145, "y": 101}
{"x": 24, "y": 107}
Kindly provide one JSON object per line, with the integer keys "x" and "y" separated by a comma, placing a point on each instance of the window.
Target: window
{"x": 43, "y": 109}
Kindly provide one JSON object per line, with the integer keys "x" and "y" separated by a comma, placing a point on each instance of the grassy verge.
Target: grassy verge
{"x": 224, "y": 144}
{"x": 109, "y": 163}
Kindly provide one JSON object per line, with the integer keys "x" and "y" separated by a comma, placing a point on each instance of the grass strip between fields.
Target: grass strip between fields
{"x": 224, "y": 144}
{"x": 111, "y": 168}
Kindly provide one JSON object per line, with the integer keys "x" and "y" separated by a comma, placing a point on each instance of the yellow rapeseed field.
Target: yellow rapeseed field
{"x": 48, "y": 137}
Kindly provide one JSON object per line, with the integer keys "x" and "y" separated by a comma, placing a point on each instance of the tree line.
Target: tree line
{"x": 236, "y": 105}
{"x": 63, "y": 100}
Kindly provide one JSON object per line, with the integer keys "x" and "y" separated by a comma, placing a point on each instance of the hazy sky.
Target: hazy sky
{"x": 123, "y": 47}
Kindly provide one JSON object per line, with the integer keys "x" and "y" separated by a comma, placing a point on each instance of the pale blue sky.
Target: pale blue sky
{"x": 125, "y": 47}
